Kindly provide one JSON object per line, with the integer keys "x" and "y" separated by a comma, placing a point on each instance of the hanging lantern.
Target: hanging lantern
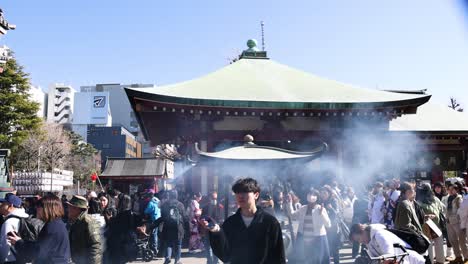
{"x": 93, "y": 177}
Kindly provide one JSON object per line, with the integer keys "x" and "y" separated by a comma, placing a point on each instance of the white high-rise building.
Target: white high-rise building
{"x": 60, "y": 104}
{"x": 121, "y": 110}
{"x": 92, "y": 109}
{"x": 38, "y": 96}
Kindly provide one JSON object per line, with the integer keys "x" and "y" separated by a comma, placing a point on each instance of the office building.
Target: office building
{"x": 121, "y": 110}
{"x": 91, "y": 109}
{"x": 40, "y": 97}
{"x": 114, "y": 141}
{"x": 60, "y": 104}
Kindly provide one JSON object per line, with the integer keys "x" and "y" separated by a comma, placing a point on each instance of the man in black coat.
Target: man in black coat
{"x": 251, "y": 236}
{"x": 360, "y": 216}
{"x": 171, "y": 226}
{"x": 215, "y": 211}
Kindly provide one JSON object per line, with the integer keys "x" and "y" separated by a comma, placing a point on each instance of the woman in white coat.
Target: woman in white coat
{"x": 313, "y": 221}
{"x": 381, "y": 242}
{"x": 463, "y": 213}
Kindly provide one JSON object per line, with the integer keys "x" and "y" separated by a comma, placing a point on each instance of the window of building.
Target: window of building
{"x": 131, "y": 148}
{"x": 105, "y": 146}
{"x": 133, "y": 124}
{"x": 115, "y": 132}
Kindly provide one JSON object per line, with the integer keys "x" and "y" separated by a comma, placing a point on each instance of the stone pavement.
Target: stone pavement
{"x": 199, "y": 259}
{"x": 345, "y": 257}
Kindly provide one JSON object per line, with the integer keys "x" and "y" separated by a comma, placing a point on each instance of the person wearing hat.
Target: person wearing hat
{"x": 11, "y": 209}
{"x": 84, "y": 233}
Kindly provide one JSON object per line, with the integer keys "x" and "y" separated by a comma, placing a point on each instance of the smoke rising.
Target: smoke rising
{"x": 360, "y": 153}
{"x": 369, "y": 154}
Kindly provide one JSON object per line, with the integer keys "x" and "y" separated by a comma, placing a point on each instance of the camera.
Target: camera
{"x": 266, "y": 197}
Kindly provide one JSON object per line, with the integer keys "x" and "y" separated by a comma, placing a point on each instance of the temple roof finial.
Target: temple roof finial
{"x": 253, "y": 52}
{"x": 252, "y": 44}
{"x": 249, "y": 140}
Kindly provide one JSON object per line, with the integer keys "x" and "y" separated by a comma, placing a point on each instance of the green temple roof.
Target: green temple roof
{"x": 263, "y": 83}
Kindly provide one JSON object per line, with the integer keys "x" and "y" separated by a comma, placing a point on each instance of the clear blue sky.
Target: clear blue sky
{"x": 398, "y": 44}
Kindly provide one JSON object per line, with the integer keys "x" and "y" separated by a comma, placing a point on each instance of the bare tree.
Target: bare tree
{"x": 455, "y": 105}
{"x": 56, "y": 146}
{"x": 28, "y": 152}
{"x": 45, "y": 149}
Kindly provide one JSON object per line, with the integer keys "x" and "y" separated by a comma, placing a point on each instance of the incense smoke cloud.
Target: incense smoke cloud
{"x": 371, "y": 154}
{"x": 367, "y": 154}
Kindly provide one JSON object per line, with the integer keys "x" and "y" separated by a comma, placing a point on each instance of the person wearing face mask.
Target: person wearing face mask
{"x": 376, "y": 204}
{"x": 313, "y": 222}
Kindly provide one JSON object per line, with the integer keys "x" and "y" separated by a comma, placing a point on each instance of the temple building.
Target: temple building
{"x": 130, "y": 175}
{"x": 282, "y": 107}
{"x": 441, "y": 140}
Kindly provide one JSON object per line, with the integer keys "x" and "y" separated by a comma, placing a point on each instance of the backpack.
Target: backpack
{"x": 29, "y": 228}
{"x": 417, "y": 241}
{"x": 173, "y": 217}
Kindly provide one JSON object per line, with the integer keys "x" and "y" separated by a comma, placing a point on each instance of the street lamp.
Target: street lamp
{"x": 52, "y": 165}
{"x": 39, "y": 159}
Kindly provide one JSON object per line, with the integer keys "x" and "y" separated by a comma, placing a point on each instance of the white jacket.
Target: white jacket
{"x": 376, "y": 206}
{"x": 321, "y": 219}
{"x": 382, "y": 241}
{"x": 463, "y": 213}
{"x": 348, "y": 209}
{"x": 11, "y": 224}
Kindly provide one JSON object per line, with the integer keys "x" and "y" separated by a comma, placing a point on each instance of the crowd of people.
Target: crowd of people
{"x": 105, "y": 227}
{"x": 435, "y": 212}
{"x": 378, "y": 217}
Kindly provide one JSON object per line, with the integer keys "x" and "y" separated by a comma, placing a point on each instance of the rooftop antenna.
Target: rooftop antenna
{"x": 263, "y": 35}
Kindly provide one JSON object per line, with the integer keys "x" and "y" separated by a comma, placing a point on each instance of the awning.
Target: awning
{"x": 138, "y": 168}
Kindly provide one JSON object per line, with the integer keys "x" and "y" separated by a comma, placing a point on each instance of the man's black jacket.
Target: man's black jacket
{"x": 171, "y": 232}
{"x": 260, "y": 243}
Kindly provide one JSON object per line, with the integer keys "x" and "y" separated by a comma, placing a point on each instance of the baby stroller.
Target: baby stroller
{"x": 365, "y": 258}
{"x": 144, "y": 244}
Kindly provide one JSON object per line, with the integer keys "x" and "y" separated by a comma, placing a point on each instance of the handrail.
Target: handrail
{"x": 397, "y": 257}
